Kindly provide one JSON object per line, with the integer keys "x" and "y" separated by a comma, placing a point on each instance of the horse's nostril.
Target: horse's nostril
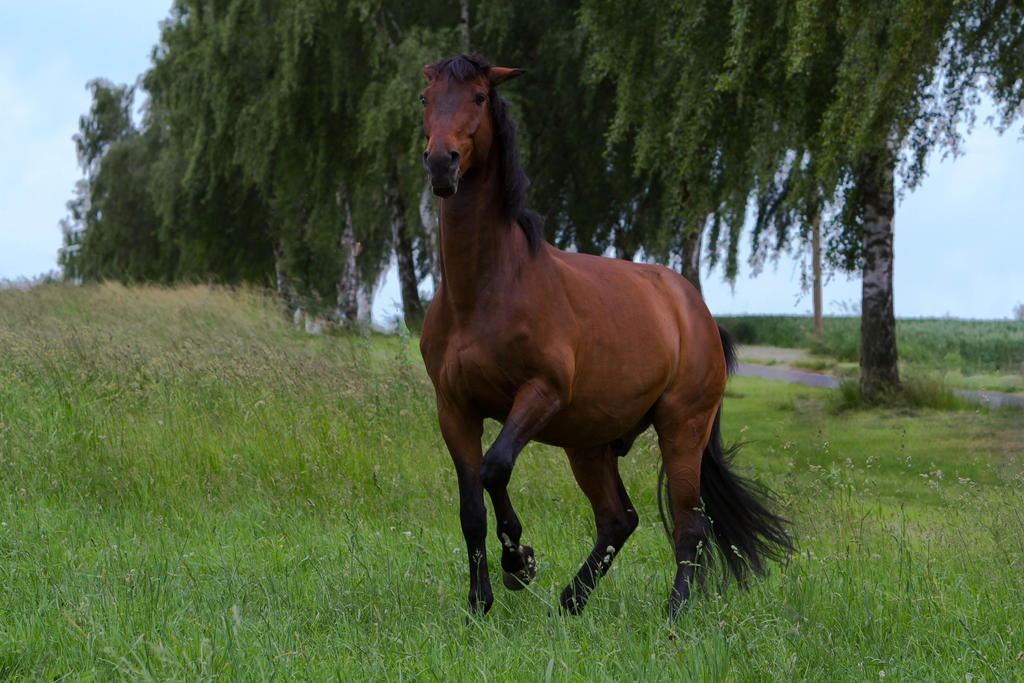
{"x": 441, "y": 163}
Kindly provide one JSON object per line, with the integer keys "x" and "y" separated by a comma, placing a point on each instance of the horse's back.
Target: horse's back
{"x": 645, "y": 304}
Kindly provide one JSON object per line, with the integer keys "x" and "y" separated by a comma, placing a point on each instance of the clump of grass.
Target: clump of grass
{"x": 913, "y": 393}
{"x": 814, "y": 365}
{"x": 846, "y": 397}
{"x": 921, "y": 392}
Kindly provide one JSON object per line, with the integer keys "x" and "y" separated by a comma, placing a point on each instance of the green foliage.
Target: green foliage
{"x": 269, "y": 125}
{"x": 113, "y": 231}
{"x": 840, "y": 341}
{"x": 685, "y": 132}
{"x": 190, "y": 489}
{"x": 585, "y": 189}
{"x": 109, "y": 121}
{"x": 785, "y": 102}
{"x": 272, "y": 125}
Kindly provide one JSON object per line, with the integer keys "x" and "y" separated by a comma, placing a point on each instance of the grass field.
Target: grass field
{"x": 191, "y": 489}
{"x": 970, "y": 354}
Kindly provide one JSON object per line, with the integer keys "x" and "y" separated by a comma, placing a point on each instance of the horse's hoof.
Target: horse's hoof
{"x": 571, "y": 604}
{"x": 573, "y": 599}
{"x": 518, "y": 580}
{"x": 675, "y": 607}
{"x": 514, "y": 582}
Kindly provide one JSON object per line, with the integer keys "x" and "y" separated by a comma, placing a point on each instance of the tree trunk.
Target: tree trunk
{"x": 878, "y": 359}
{"x": 412, "y": 308}
{"x": 428, "y": 216}
{"x": 284, "y": 286}
{"x": 347, "y": 311}
{"x": 691, "y": 255}
{"x": 464, "y": 24}
{"x": 819, "y": 330}
{"x": 623, "y": 244}
{"x": 366, "y": 295}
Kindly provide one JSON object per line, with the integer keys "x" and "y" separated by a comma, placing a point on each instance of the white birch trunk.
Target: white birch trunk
{"x": 879, "y": 371}
{"x": 428, "y": 216}
{"x": 347, "y": 311}
{"x": 819, "y": 329}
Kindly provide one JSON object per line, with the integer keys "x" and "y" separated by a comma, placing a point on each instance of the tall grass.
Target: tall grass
{"x": 192, "y": 489}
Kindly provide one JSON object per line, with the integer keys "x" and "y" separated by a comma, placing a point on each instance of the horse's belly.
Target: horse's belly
{"x": 585, "y": 423}
{"x": 609, "y": 399}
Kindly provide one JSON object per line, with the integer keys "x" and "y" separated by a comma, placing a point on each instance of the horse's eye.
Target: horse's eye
{"x": 423, "y": 100}
{"x": 480, "y": 98}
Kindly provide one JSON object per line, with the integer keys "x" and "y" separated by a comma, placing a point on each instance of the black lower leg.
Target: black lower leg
{"x": 689, "y": 538}
{"x": 517, "y": 561}
{"x": 610, "y": 540}
{"x": 574, "y": 597}
{"x": 596, "y": 472}
{"x": 473, "y": 517}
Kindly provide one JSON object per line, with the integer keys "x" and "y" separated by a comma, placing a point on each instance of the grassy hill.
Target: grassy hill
{"x": 190, "y": 488}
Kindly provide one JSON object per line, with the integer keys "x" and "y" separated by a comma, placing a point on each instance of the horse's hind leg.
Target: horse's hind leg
{"x": 597, "y": 472}
{"x": 682, "y": 438}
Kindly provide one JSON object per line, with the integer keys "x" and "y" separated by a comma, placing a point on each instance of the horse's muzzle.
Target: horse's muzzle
{"x": 443, "y": 171}
{"x": 444, "y": 190}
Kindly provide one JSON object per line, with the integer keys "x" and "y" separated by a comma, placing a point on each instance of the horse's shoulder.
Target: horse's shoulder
{"x": 434, "y": 336}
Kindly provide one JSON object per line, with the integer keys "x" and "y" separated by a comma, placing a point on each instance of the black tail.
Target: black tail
{"x": 744, "y": 530}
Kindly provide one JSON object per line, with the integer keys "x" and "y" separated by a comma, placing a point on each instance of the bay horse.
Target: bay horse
{"x": 578, "y": 351}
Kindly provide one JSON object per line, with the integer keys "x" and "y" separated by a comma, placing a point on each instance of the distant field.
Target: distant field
{"x": 966, "y": 347}
{"x": 192, "y": 489}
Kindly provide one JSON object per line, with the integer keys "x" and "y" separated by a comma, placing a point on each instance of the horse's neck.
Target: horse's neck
{"x": 479, "y": 246}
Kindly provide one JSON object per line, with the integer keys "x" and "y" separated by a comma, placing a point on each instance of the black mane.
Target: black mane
{"x": 514, "y": 180}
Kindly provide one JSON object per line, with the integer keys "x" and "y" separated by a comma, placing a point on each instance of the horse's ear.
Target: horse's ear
{"x": 430, "y": 71}
{"x": 499, "y": 74}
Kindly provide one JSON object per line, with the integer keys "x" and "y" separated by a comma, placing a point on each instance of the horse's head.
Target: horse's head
{"x": 457, "y": 117}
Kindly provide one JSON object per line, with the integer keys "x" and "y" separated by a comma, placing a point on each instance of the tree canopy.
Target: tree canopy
{"x": 281, "y": 143}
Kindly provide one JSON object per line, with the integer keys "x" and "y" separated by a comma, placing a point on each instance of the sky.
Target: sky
{"x": 959, "y": 245}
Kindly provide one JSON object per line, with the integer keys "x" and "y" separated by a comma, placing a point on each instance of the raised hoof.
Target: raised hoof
{"x": 518, "y": 580}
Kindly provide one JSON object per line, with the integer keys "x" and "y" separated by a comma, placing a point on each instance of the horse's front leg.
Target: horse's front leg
{"x": 462, "y": 436}
{"x": 534, "y": 405}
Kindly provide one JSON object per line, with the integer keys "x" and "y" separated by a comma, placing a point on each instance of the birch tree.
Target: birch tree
{"x": 112, "y": 231}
